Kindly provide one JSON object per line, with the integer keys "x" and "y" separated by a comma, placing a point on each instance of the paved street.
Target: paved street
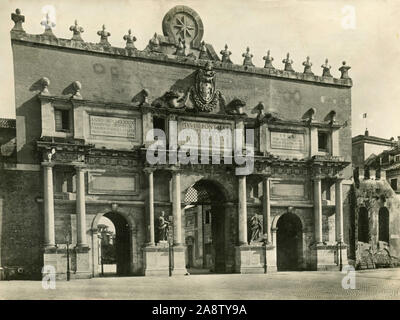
{"x": 370, "y": 284}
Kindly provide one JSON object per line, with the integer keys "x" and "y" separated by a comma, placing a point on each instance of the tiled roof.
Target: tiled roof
{"x": 7, "y": 123}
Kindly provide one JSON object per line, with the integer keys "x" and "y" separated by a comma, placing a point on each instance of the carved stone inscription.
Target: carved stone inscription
{"x": 287, "y": 140}
{"x": 112, "y": 184}
{"x": 198, "y": 127}
{"x": 288, "y": 190}
{"x": 112, "y": 126}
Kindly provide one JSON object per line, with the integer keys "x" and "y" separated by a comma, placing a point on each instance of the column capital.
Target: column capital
{"x": 316, "y": 178}
{"x": 339, "y": 179}
{"x": 48, "y": 164}
{"x": 266, "y": 176}
{"x": 148, "y": 170}
{"x": 80, "y": 167}
{"x": 175, "y": 170}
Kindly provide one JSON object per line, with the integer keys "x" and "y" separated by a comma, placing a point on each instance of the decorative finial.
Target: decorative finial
{"x": 268, "y": 61}
{"x": 225, "y": 55}
{"x": 260, "y": 110}
{"x": 307, "y": 66}
{"x": 288, "y": 63}
{"x": 344, "y": 69}
{"x": 129, "y": 40}
{"x": 332, "y": 116}
{"x": 48, "y": 25}
{"x": 203, "y": 51}
{"x": 248, "y": 58}
{"x": 18, "y": 19}
{"x": 180, "y": 50}
{"x": 77, "y": 86}
{"x": 76, "y": 31}
{"x": 154, "y": 44}
{"x": 104, "y": 36}
{"x": 44, "y": 83}
{"x": 326, "y": 69}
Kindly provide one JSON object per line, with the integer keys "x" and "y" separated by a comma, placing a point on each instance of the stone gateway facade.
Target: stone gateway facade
{"x": 84, "y": 119}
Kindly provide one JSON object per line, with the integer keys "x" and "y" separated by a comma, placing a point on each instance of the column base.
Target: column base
{"x": 253, "y": 258}
{"x": 156, "y": 260}
{"x": 179, "y": 262}
{"x": 79, "y": 265}
{"x": 325, "y": 257}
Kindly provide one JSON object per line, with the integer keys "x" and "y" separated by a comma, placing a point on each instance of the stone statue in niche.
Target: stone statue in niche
{"x": 256, "y": 228}
{"x": 163, "y": 225}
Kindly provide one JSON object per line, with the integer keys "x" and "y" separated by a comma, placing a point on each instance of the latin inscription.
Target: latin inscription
{"x": 288, "y": 190}
{"x": 109, "y": 184}
{"x": 112, "y": 126}
{"x": 287, "y": 140}
{"x": 199, "y": 126}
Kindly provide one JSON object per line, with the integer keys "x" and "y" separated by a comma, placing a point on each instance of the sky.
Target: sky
{"x": 364, "y": 33}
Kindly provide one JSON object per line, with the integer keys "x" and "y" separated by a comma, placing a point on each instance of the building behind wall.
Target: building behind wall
{"x": 83, "y": 114}
{"x": 376, "y": 202}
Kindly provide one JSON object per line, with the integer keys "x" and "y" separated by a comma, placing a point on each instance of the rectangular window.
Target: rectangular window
{"x": 322, "y": 141}
{"x": 326, "y": 190}
{"x": 62, "y": 118}
{"x": 393, "y": 184}
{"x": 159, "y": 123}
{"x": 208, "y": 217}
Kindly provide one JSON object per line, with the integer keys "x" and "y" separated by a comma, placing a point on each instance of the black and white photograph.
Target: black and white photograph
{"x": 199, "y": 150}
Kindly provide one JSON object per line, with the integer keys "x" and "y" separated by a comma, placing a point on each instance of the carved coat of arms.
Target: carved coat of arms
{"x": 203, "y": 93}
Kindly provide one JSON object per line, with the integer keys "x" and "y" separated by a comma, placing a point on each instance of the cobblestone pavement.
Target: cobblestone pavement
{"x": 370, "y": 284}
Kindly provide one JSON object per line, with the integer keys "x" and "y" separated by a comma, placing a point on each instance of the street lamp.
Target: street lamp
{"x": 170, "y": 239}
{"x": 67, "y": 239}
{"x": 340, "y": 255}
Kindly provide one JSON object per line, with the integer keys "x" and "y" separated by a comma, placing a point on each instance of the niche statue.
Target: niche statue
{"x": 256, "y": 228}
{"x": 163, "y": 225}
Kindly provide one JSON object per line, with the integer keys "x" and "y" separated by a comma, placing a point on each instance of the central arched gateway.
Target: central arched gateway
{"x": 113, "y": 247}
{"x": 289, "y": 242}
{"x": 205, "y": 227}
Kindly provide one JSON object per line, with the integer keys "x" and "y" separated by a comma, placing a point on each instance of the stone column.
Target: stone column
{"x": 48, "y": 201}
{"x": 266, "y": 206}
{"x": 318, "y": 210}
{"x": 80, "y": 207}
{"x": 150, "y": 207}
{"x": 242, "y": 211}
{"x": 176, "y": 207}
{"x": 339, "y": 209}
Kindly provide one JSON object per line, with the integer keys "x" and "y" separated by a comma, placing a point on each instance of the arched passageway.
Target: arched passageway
{"x": 205, "y": 228}
{"x": 114, "y": 245}
{"x": 289, "y": 243}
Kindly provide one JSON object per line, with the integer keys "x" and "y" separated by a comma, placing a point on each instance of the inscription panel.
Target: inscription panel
{"x": 112, "y": 126}
{"x": 287, "y": 140}
{"x": 113, "y": 184}
{"x": 199, "y": 126}
{"x": 288, "y": 190}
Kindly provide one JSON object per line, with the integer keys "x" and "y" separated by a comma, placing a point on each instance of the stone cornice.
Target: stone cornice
{"x": 86, "y": 47}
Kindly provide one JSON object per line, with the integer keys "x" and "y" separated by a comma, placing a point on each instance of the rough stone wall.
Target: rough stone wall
{"x": 22, "y": 221}
{"x": 373, "y": 195}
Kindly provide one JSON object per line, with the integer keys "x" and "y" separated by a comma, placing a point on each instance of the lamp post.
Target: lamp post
{"x": 170, "y": 243}
{"x": 265, "y": 242}
{"x": 67, "y": 239}
{"x": 340, "y": 256}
